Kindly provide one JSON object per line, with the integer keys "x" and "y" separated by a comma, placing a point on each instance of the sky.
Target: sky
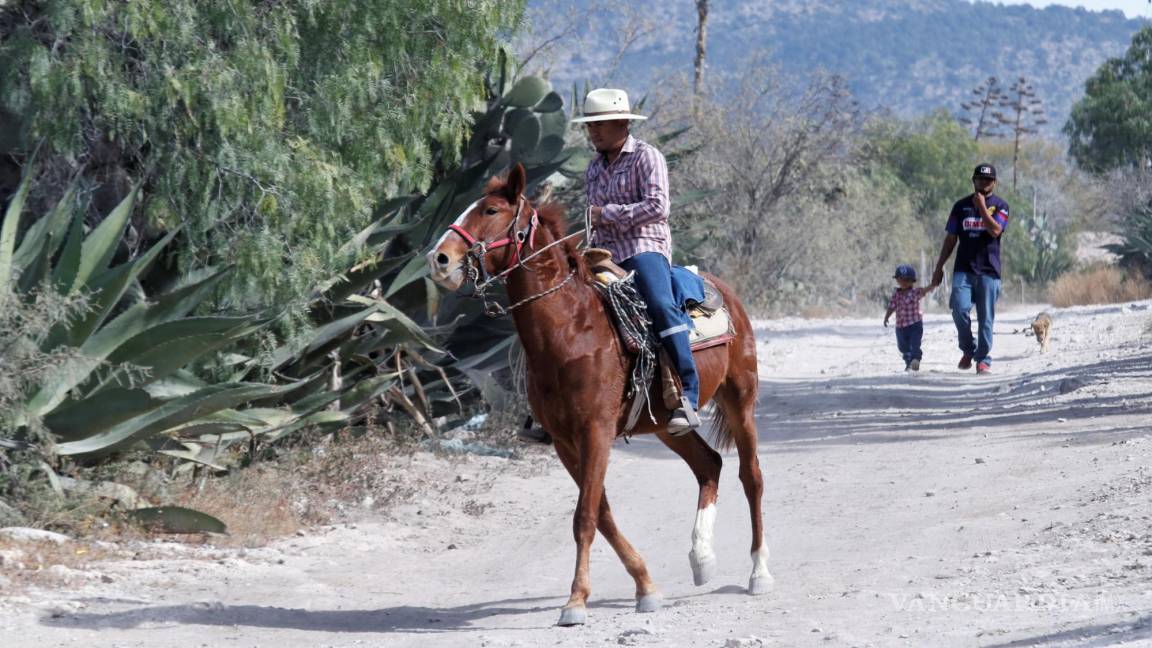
{"x": 1131, "y": 8}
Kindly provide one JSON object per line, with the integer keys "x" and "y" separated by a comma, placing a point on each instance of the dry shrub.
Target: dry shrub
{"x": 1098, "y": 285}
{"x": 258, "y": 503}
{"x": 308, "y": 486}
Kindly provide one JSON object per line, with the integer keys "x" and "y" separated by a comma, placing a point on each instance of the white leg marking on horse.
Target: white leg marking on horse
{"x": 459, "y": 222}
{"x": 760, "y": 560}
{"x": 702, "y": 559}
{"x": 703, "y": 533}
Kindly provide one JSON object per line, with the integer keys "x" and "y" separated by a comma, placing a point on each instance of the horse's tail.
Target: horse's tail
{"x": 720, "y": 435}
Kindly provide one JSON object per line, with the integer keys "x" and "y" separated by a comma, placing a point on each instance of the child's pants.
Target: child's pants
{"x": 908, "y": 341}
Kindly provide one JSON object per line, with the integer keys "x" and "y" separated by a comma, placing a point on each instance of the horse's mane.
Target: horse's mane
{"x": 553, "y": 218}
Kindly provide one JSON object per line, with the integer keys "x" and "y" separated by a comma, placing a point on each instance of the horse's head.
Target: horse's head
{"x": 489, "y": 234}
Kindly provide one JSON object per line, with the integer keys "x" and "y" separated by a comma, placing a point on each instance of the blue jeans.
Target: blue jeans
{"x": 908, "y": 340}
{"x": 982, "y": 291}
{"x": 654, "y": 283}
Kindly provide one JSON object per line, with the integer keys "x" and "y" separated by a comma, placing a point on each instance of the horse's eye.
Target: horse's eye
{"x": 491, "y": 211}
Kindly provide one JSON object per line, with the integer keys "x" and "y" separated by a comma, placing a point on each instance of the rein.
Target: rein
{"x": 482, "y": 281}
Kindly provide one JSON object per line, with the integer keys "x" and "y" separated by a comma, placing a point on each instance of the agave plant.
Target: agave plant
{"x": 383, "y": 337}
{"x": 1135, "y": 247}
{"x": 119, "y": 388}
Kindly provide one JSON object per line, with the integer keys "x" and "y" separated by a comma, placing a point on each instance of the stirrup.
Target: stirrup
{"x": 684, "y": 419}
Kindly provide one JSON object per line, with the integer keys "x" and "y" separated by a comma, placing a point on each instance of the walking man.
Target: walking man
{"x": 974, "y": 230}
{"x": 627, "y": 185}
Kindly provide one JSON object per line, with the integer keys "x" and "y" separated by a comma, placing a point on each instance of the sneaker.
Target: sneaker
{"x": 983, "y": 368}
{"x": 915, "y": 364}
{"x": 965, "y": 362}
{"x": 684, "y": 419}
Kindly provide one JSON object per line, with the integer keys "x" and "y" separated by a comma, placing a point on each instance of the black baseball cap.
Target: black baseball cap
{"x": 984, "y": 170}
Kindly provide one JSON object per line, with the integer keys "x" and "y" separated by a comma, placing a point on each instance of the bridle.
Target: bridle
{"x": 482, "y": 281}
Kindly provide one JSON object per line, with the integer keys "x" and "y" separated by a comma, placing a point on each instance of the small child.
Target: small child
{"x": 905, "y": 303}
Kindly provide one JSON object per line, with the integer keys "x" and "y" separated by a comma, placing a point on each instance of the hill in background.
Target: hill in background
{"x": 907, "y": 56}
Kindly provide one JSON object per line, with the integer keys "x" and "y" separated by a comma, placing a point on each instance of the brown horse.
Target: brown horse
{"x": 577, "y": 375}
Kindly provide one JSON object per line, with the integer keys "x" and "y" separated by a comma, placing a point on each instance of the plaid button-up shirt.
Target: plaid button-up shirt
{"x": 906, "y": 304}
{"x": 633, "y": 191}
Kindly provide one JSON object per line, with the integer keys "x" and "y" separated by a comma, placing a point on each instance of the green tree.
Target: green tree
{"x": 933, "y": 156}
{"x": 269, "y": 130}
{"x": 1111, "y": 126}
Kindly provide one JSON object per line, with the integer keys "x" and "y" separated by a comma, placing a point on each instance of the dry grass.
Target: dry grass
{"x": 307, "y": 487}
{"x": 26, "y": 564}
{"x": 313, "y": 484}
{"x": 1098, "y": 285}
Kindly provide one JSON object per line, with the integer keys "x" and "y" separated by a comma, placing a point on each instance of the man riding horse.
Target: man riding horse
{"x": 578, "y": 367}
{"x": 627, "y": 185}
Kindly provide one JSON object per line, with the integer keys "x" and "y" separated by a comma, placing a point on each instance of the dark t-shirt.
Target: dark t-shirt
{"x": 977, "y": 251}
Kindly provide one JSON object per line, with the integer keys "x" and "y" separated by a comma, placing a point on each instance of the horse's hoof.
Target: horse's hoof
{"x": 650, "y": 602}
{"x": 758, "y": 585}
{"x": 702, "y": 570}
{"x": 573, "y": 616}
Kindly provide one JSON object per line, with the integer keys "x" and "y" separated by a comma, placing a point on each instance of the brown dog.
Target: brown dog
{"x": 1042, "y": 328}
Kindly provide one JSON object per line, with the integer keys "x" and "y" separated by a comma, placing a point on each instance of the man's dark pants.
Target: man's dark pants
{"x": 654, "y": 282}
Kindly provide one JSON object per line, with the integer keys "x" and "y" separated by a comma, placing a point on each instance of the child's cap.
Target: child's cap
{"x": 905, "y": 271}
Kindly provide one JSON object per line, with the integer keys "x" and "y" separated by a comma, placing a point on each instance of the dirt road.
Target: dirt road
{"x": 932, "y": 509}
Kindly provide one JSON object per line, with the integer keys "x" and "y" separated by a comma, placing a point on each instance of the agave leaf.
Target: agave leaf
{"x": 33, "y": 273}
{"x": 68, "y": 265}
{"x": 361, "y": 277}
{"x": 100, "y": 244}
{"x": 668, "y": 137}
{"x": 169, "y": 415}
{"x": 366, "y": 390}
{"x": 407, "y": 325}
{"x": 38, "y": 244}
{"x": 177, "y": 519}
{"x": 326, "y": 419}
{"x": 314, "y": 402}
{"x": 376, "y": 230}
{"x": 323, "y": 336}
{"x": 415, "y": 270}
{"x": 484, "y": 356}
{"x": 169, "y": 307}
{"x": 79, "y": 418}
{"x": 165, "y": 348}
{"x": 109, "y": 288}
{"x": 10, "y": 227}
{"x": 434, "y": 203}
{"x": 95, "y": 352}
{"x": 383, "y": 235}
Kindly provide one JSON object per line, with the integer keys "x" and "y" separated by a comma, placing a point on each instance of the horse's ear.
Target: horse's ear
{"x": 517, "y": 181}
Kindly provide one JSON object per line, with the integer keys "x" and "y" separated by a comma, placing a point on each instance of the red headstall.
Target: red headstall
{"x": 527, "y": 234}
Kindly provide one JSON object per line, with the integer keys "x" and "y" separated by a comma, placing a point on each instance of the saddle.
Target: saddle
{"x": 711, "y": 322}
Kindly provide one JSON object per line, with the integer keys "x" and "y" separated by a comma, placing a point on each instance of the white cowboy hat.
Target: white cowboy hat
{"x": 606, "y": 104}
